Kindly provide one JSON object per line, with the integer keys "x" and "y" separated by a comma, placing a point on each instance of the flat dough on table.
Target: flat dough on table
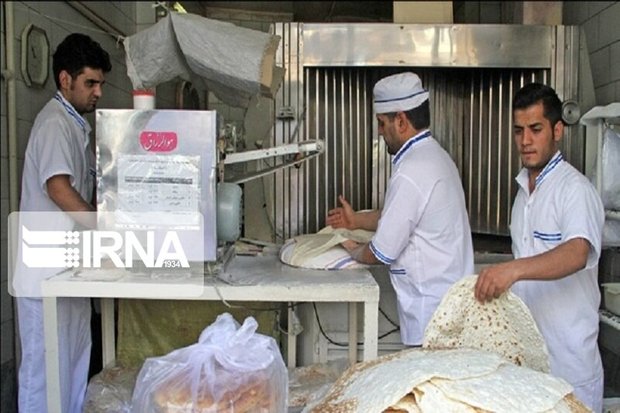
{"x": 322, "y": 250}
{"x": 504, "y": 326}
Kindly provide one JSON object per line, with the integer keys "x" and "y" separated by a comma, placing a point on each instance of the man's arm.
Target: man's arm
{"x": 360, "y": 252}
{"x": 345, "y": 217}
{"x": 60, "y": 191}
{"x": 563, "y": 260}
{"x": 368, "y": 220}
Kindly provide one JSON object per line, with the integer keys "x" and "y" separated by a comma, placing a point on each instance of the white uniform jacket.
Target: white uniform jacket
{"x": 563, "y": 206}
{"x": 59, "y": 145}
{"x": 423, "y": 232}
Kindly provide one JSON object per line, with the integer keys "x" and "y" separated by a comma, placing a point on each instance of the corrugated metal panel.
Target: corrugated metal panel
{"x": 285, "y": 190}
{"x": 489, "y": 159}
{"x": 471, "y": 118}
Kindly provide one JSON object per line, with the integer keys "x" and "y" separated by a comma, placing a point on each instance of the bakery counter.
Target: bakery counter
{"x": 260, "y": 278}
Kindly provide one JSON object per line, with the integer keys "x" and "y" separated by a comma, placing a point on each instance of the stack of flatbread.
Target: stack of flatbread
{"x": 476, "y": 358}
{"x": 322, "y": 250}
{"x": 451, "y": 380}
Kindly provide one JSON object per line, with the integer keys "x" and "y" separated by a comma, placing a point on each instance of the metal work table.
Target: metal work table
{"x": 262, "y": 278}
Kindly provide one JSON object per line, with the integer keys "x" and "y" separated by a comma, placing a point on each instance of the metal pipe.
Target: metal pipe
{"x": 9, "y": 76}
{"x": 8, "y": 73}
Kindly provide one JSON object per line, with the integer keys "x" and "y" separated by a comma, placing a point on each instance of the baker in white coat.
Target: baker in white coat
{"x": 59, "y": 175}
{"x": 422, "y": 231}
{"x": 556, "y": 229}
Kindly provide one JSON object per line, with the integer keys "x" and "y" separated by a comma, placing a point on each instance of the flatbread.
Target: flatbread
{"x": 175, "y": 396}
{"x": 570, "y": 404}
{"x": 508, "y": 389}
{"x": 305, "y": 382}
{"x": 407, "y": 404}
{"x": 432, "y": 399}
{"x": 322, "y": 250}
{"x": 504, "y": 326}
{"x": 376, "y": 385}
{"x": 452, "y": 380}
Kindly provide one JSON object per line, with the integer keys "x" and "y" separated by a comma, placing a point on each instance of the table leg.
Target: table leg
{"x": 371, "y": 330}
{"x": 352, "y": 333}
{"x": 52, "y": 363}
{"x": 107, "y": 332}
{"x": 291, "y": 337}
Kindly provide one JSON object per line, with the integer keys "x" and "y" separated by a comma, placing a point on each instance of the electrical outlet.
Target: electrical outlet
{"x": 286, "y": 112}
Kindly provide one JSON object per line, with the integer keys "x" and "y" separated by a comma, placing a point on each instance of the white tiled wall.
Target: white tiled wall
{"x": 599, "y": 20}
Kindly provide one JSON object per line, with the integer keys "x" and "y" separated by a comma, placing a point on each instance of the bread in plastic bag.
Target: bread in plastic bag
{"x": 231, "y": 369}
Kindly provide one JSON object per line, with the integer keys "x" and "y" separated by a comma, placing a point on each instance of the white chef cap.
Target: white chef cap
{"x": 399, "y": 93}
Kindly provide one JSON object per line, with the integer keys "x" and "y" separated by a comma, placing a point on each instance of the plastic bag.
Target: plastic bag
{"x": 610, "y": 159}
{"x": 235, "y": 63}
{"x": 110, "y": 390}
{"x": 231, "y": 369}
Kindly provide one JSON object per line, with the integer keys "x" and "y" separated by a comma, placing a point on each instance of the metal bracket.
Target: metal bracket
{"x": 308, "y": 150}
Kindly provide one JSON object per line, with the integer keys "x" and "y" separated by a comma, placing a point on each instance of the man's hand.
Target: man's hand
{"x": 494, "y": 280}
{"x": 360, "y": 252}
{"x": 341, "y": 217}
{"x": 349, "y": 245}
{"x": 562, "y": 261}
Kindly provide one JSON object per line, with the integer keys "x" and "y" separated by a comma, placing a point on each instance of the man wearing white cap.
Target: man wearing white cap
{"x": 422, "y": 231}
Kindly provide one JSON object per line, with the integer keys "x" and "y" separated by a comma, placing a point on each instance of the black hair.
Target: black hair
{"x": 533, "y": 93}
{"x": 76, "y": 52}
{"x": 420, "y": 117}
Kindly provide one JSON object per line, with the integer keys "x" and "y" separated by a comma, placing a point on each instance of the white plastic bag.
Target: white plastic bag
{"x": 235, "y": 63}
{"x": 610, "y": 165}
{"x": 231, "y": 369}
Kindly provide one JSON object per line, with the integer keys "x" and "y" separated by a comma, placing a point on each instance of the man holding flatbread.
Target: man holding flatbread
{"x": 556, "y": 226}
{"x": 423, "y": 231}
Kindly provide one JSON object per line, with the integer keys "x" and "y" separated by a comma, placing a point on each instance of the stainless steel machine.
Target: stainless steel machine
{"x": 166, "y": 169}
{"x": 157, "y": 168}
